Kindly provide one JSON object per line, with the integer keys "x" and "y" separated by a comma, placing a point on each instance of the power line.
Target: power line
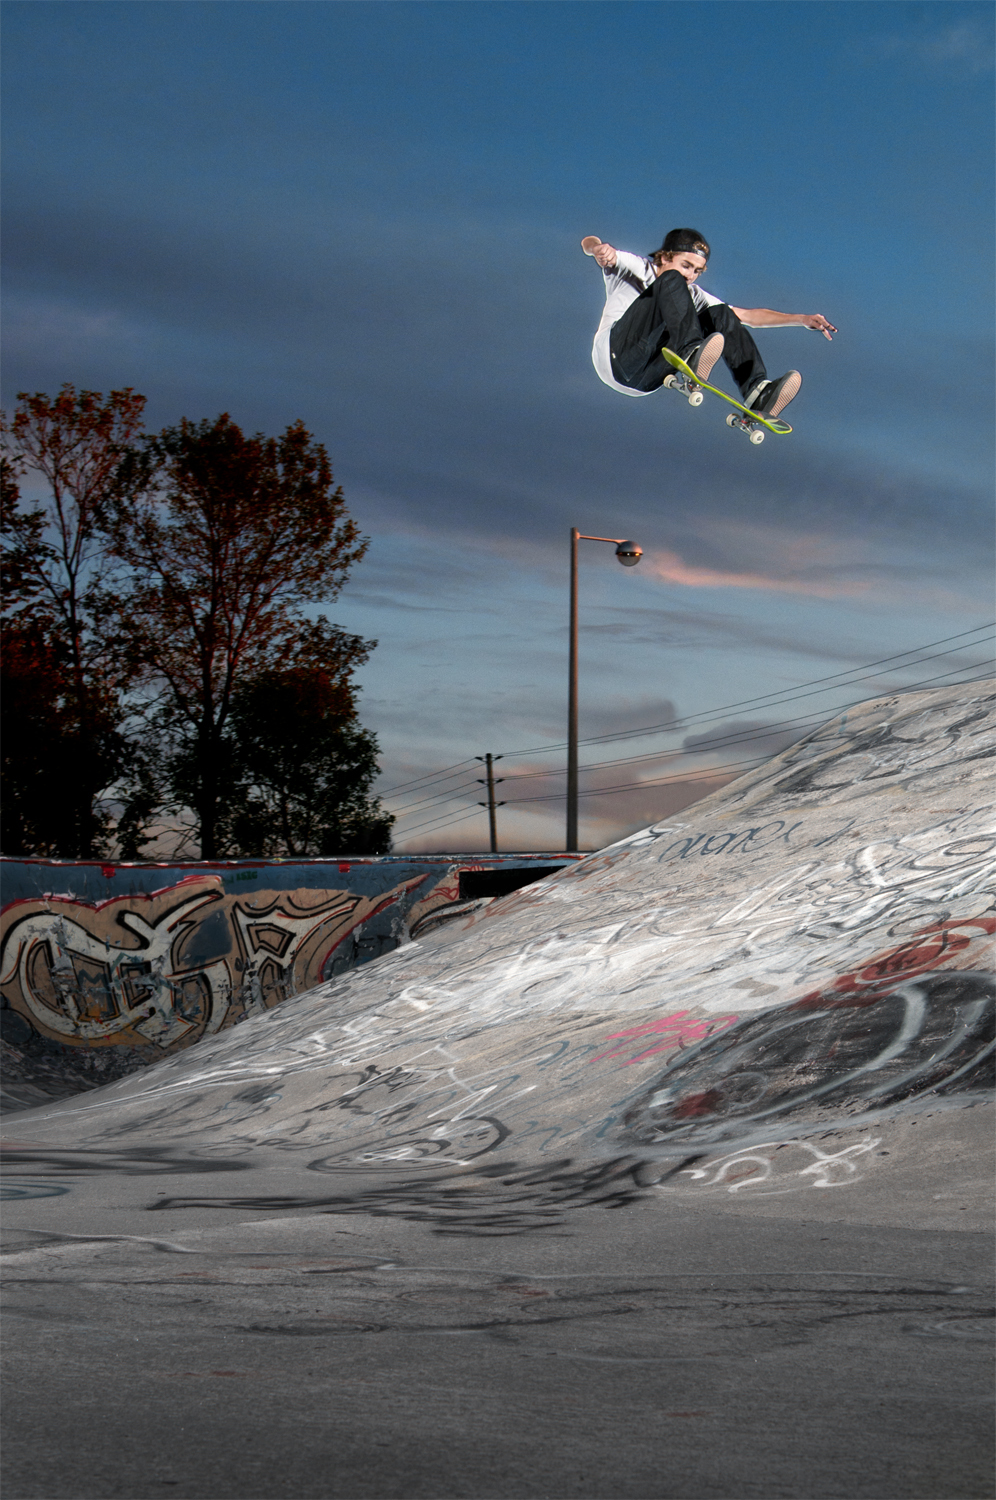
{"x": 447, "y": 796}
{"x": 430, "y": 776}
{"x": 704, "y": 772}
{"x": 786, "y": 693}
{"x": 701, "y": 772}
{"x": 778, "y": 698}
{"x": 726, "y": 739}
{"x": 444, "y": 823}
{"x": 794, "y": 696}
{"x": 802, "y": 724}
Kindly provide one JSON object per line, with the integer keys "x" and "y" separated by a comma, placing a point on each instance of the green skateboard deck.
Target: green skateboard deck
{"x": 749, "y": 422}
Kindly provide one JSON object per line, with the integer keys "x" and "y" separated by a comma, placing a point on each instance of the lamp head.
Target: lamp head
{"x": 629, "y": 553}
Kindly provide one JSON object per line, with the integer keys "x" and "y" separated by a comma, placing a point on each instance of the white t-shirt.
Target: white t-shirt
{"x": 630, "y": 276}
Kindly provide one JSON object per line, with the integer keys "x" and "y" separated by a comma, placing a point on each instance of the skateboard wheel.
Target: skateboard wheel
{"x": 731, "y": 420}
{"x": 757, "y": 436}
{"x": 696, "y": 398}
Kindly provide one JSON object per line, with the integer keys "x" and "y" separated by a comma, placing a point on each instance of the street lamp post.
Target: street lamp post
{"x": 629, "y": 554}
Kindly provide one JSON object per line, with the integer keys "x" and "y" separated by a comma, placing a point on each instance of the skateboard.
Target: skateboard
{"x": 743, "y": 418}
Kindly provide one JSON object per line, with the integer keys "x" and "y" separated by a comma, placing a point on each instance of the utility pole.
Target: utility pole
{"x": 490, "y": 782}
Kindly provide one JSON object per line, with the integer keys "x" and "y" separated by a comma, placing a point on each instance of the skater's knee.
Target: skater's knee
{"x": 723, "y": 317}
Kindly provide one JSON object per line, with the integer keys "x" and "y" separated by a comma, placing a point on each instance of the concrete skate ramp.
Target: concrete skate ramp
{"x": 354, "y": 1246}
{"x": 804, "y": 949}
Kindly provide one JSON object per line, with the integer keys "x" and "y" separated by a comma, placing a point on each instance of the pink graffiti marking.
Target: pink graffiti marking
{"x": 680, "y": 1030}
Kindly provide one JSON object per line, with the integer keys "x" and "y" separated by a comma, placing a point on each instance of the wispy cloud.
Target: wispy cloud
{"x": 967, "y": 45}
{"x": 63, "y": 329}
{"x": 670, "y": 568}
{"x": 735, "y": 739}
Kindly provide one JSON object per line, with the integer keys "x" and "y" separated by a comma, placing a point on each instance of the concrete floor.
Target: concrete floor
{"x": 466, "y": 1335}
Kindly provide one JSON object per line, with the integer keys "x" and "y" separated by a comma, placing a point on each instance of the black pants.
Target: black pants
{"x": 666, "y": 315}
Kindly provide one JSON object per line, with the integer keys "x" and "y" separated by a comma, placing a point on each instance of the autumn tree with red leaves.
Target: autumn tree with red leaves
{"x": 226, "y": 537}
{"x": 65, "y": 661}
{"x": 154, "y": 625}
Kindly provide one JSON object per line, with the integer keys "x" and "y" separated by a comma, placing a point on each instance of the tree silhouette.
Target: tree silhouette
{"x": 302, "y": 764}
{"x": 226, "y": 537}
{"x": 65, "y": 664}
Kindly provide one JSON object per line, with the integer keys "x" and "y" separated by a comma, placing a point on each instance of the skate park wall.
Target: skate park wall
{"x": 149, "y": 958}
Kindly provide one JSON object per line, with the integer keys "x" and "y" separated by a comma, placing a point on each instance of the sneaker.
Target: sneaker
{"x": 700, "y": 358}
{"x": 769, "y": 398}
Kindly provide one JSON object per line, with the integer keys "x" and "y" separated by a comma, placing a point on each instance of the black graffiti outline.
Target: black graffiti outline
{"x": 711, "y": 1093}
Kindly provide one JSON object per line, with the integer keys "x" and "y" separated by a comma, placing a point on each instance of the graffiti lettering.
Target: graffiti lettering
{"x": 167, "y": 969}
{"x": 761, "y": 1171}
{"x": 931, "y": 948}
{"x": 745, "y": 841}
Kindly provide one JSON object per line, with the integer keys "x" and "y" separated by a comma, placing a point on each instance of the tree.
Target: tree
{"x": 64, "y": 666}
{"x": 61, "y": 747}
{"x": 56, "y": 554}
{"x": 302, "y": 763}
{"x": 225, "y": 537}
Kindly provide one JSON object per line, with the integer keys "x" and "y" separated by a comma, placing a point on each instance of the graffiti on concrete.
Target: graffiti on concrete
{"x": 159, "y": 968}
{"x": 896, "y": 1027}
{"x": 776, "y": 1167}
{"x": 673, "y": 1032}
{"x": 762, "y": 967}
{"x": 506, "y": 1199}
{"x": 941, "y": 945}
{"x": 169, "y": 968}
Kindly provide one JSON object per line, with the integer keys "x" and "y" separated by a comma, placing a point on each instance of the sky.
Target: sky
{"x": 367, "y": 216}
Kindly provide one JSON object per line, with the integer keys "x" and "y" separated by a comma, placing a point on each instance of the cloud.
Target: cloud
{"x": 670, "y": 568}
{"x": 702, "y": 629}
{"x": 737, "y": 739}
{"x": 966, "y": 45}
{"x": 64, "y": 330}
{"x": 468, "y": 403}
{"x": 618, "y": 716}
{"x": 646, "y": 804}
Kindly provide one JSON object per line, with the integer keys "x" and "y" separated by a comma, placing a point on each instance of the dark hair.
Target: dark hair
{"x": 677, "y": 240}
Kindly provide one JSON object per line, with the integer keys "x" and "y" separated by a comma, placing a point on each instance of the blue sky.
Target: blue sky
{"x": 367, "y": 215}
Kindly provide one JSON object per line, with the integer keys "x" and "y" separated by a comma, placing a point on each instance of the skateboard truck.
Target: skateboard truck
{"x": 753, "y": 429}
{"x": 685, "y": 387}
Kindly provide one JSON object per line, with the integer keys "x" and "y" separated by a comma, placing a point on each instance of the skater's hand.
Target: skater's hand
{"x": 819, "y": 324}
{"x": 605, "y": 256}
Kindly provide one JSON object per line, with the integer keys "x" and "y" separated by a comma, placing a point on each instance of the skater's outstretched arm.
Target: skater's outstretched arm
{"x": 605, "y": 256}
{"x": 767, "y": 317}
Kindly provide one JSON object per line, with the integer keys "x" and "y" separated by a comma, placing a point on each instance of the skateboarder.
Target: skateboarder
{"x": 654, "y": 301}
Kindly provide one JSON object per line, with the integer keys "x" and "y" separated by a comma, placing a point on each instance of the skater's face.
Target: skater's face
{"x": 687, "y": 263}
